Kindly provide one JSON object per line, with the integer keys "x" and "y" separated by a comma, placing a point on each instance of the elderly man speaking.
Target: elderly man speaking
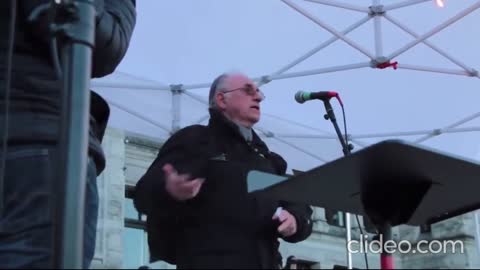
{"x": 200, "y": 214}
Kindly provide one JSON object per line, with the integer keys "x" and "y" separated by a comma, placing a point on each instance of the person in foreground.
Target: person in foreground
{"x": 33, "y": 110}
{"x": 199, "y": 212}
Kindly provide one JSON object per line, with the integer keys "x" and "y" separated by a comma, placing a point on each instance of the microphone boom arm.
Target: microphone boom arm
{"x": 331, "y": 116}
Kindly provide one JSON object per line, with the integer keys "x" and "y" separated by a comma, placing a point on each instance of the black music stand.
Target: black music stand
{"x": 392, "y": 182}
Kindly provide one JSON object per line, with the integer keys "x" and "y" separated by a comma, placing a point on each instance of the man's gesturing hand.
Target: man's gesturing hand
{"x": 179, "y": 186}
{"x": 288, "y": 226}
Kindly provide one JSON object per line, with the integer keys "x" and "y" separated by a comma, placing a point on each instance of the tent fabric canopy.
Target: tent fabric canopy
{"x": 404, "y": 69}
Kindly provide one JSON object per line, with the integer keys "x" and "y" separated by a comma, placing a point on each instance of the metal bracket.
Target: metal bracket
{"x": 268, "y": 134}
{"x": 265, "y": 79}
{"x": 437, "y": 132}
{"x": 379, "y": 60}
{"x": 377, "y": 10}
{"x": 177, "y": 88}
{"x": 473, "y": 72}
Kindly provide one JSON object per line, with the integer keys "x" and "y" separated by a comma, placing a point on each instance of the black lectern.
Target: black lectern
{"x": 391, "y": 182}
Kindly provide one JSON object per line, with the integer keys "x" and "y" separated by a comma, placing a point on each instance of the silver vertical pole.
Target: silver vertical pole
{"x": 176, "y": 92}
{"x": 477, "y": 231}
{"x": 378, "y": 29}
{"x": 348, "y": 225}
{"x": 79, "y": 32}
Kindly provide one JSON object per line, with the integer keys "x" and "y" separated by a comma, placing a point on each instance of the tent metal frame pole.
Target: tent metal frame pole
{"x": 456, "y": 124}
{"x": 139, "y": 116}
{"x": 426, "y": 42}
{"x": 322, "y": 46}
{"x": 353, "y": 138}
{"x": 319, "y": 71}
{"x": 435, "y": 30}
{"x": 177, "y": 90}
{"x": 429, "y": 133}
{"x": 305, "y": 136}
{"x": 196, "y": 86}
{"x": 404, "y": 4}
{"x": 200, "y": 100}
{"x": 340, "y": 5}
{"x": 436, "y": 70}
{"x": 312, "y": 128}
{"x": 415, "y": 133}
{"x": 301, "y": 150}
{"x": 377, "y": 28}
{"x": 329, "y": 29}
{"x": 196, "y": 98}
{"x": 272, "y": 135}
{"x": 101, "y": 84}
{"x": 379, "y": 135}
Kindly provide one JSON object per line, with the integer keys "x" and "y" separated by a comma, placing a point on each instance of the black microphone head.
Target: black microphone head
{"x": 300, "y": 97}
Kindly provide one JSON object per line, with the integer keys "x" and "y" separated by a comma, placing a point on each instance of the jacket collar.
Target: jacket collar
{"x": 219, "y": 122}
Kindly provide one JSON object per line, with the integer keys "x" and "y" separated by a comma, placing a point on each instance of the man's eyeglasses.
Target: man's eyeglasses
{"x": 249, "y": 90}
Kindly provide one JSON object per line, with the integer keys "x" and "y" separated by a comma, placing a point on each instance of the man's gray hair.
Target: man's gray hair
{"x": 217, "y": 84}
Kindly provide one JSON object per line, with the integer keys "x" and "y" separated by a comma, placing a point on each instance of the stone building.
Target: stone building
{"x": 122, "y": 243}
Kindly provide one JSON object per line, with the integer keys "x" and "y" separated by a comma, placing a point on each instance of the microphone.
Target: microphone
{"x": 301, "y": 96}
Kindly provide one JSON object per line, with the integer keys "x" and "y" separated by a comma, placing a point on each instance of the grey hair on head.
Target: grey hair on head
{"x": 217, "y": 84}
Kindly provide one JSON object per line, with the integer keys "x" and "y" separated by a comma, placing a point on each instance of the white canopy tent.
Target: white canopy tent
{"x": 405, "y": 69}
{"x": 179, "y": 47}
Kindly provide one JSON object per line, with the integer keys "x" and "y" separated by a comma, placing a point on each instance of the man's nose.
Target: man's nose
{"x": 259, "y": 96}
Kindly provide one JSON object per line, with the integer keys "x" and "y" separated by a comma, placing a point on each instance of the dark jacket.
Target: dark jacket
{"x": 35, "y": 91}
{"x": 224, "y": 225}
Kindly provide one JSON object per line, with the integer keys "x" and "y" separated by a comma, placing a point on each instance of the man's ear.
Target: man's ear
{"x": 220, "y": 98}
